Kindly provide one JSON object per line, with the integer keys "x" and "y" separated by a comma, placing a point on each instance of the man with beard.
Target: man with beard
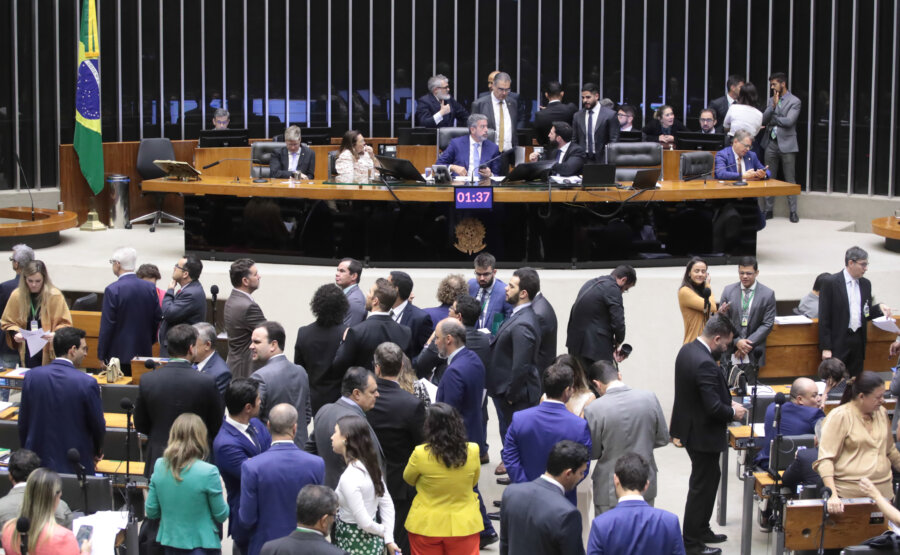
{"x": 702, "y": 409}
{"x": 437, "y": 108}
{"x": 595, "y": 126}
{"x": 489, "y": 292}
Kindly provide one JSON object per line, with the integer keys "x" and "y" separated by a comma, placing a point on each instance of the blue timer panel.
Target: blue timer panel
{"x": 474, "y": 197}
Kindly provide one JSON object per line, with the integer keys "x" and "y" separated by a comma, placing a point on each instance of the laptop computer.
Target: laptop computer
{"x": 645, "y": 179}
{"x": 530, "y": 171}
{"x": 599, "y": 175}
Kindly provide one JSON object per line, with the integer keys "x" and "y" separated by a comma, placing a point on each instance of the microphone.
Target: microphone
{"x": 75, "y": 460}
{"x": 215, "y": 291}
{"x": 826, "y": 494}
{"x": 126, "y": 404}
{"x": 706, "y": 294}
{"x": 22, "y": 527}
{"x": 25, "y": 179}
{"x": 779, "y": 401}
{"x": 150, "y": 364}
{"x": 217, "y": 162}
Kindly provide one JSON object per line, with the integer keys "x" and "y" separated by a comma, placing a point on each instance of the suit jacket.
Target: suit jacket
{"x": 702, "y": 407}
{"x": 269, "y": 486}
{"x": 795, "y": 420}
{"x": 187, "y": 307}
{"x": 420, "y": 326}
{"x": 398, "y": 419}
{"x": 216, "y": 368}
{"x": 485, "y": 105}
{"x": 357, "y": 311}
{"x": 314, "y": 350}
{"x": 165, "y": 394}
{"x": 301, "y": 543}
{"x": 800, "y": 471}
{"x": 429, "y": 365}
{"x": 596, "y": 320}
{"x": 653, "y": 130}
{"x": 60, "y": 410}
{"x": 242, "y": 316}
{"x": 11, "y": 504}
{"x": 230, "y": 449}
{"x": 621, "y": 421}
{"x": 462, "y": 387}
{"x": 281, "y": 381}
{"x": 437, "y": 313}
{"x": 834, "y": 314}
{"x": 537, "y": 519}
{"x": 319, "y": 442}
{"x": 427, "y": 106}
{"x": 458, "y": 153}
{"x": 543, "y": 119}
{"x": 531, "y": 436}
{"x": 280, "y": 162}
{"x": 606, "y": 130}
{"x": 635, "y": 527}
{"x": 546, "y": 318}
{"x": 362, "y": 339}
{"x": 720, "y": 105}
{"x": 497, "y": 305}
{"x": 726, "y": 164}
{"x": 513, "y": 370}
{"x": 783, "y": 119}
{"x": 572, "y": 162}
{"x": 129, "y": 319}
{"x": 761, "y": 318}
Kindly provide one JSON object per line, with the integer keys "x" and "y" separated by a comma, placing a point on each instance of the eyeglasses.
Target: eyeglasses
{"x": 501, "y": 89}
{"x": 621, "y": 115}
{"x": 113, "y": 261}
{"x": 745, "y": 145}
{"x": 707, "y": 120}
{"x": 180, "y": 267}
{"x": 864, "y": 264}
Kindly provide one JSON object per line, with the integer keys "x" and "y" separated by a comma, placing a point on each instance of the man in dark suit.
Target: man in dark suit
{"x": 738, "y": 161}
{"x": 800, "y": 471}
{"x": 489, "y": 292}
{"x": 633, "y": 526}
{"x": 171, "y": 390}
{"x": 709, "y": 124}
{"x": 61, "y": 408}
{"x": 21, "y": 255}
{"x": 241, "y": 437}
{"x": 188, "y": 305}
{"x": 798, "y": 417}
{"x": 595, "y": 126}
{"x": 537, "y": 518}
{"x": 597, "y": 318}
{"x": 361, "y": 340}
{"x": 733, "y": 86}
{"x": 700, "y": 413}
{"x": 569, "y": 156}
{"x": 556, "y": 110}
{"x": 242, "y": 316}
{"x": 625, "y": 115}
{"x": 280, "y": 380}
{"x": 546, "y": 318}
{"x": 207, "y": 359}
{"x": 359, "y": 390}
{"x": 406, "y": 314}
{"x": 438, "y": 108}
{"x": 472, "y": 155}
{"x": 294, "y": 160}
{"x": 398, "y": 419}
{"x": 502, "y": 116}
{"x": 130, "y": 316}
{"x": 316, "y": 507}
{"x": 317, "y": 343}
{"x": 751, "y": 307}
{"x": 845, "y": 305}
{"x": 271, "y": 481}
{"x": 346, "y": 277}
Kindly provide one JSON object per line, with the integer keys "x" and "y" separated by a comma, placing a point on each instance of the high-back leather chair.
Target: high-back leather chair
{"x": 262, "y": 152}
{"x": 630, "y": 157}
{"x": 447, "y": 134}
{"x": 695, "y": 165}
{"x": 150, "y": 150}
{"x": 332, "y": 164}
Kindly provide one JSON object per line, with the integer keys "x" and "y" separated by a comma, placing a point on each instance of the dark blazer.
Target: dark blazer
{"x": 357, "y": 312}
{"x": 543, "y": 119}
{"x": 420, "y": 326}
{"x": 61, "y": 410}
{"x": 319, "y": 442}
{"x": 314, "y": 350}
{"x": 480, "y": 344}
{"x": 216, "y": 368}
{"x": 546, "y": 318}
{"x": 572, "y": 161}
{"x": 281, "y": 381}
{"x": 702, "y": 406}
{"x": 800, "y": 471}
{"x": 761, "y": 318}
{"x": 129, "y": 319}
{"x": 398, "y": 419}
{"x": 496, "y": 304}
{"x": 301, "y": 543}
{"x": 187, "y": 307}
{"x": 537, "y": 519}
{"x": 633, "y": 526}
{"x": 726, "y": 164}
{"x": 795, "y": 420}
{"x": 720, "y": 105}
{"x": 437, "y": 313}
{"x": 362, "y": 339}
{"x": 306, "y": 164}
{"x": 429, "y": 365}
{"x": 6, "y": 289}
{"x": 230, "y": 449}
{"x": 717, "y": 130}
{"x": 606, "y": 130}
{"x": 596, "y": 320}
{"x": 427, "y": 106}
{"x": 653, "y": 130}
{"x": 485, "y": 105}
{"x": 242, "y": 316}
{"x": 462, "y": 387}
{"x": 834, "y": 314}
{"x": 513, "y": 370}
{"x": 458, "y": 153}
{"x": 165, "y": 394}
{"x": 270, "y": 483}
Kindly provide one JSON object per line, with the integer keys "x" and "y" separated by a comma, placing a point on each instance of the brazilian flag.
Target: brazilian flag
{"x": 88, "y": 141}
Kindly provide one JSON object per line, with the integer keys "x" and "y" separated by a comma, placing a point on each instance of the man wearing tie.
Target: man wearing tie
{"x": 438, "y": 108}
{"x": 569, "y": 156}
{"x": 295, "y": 159}
{"x": 501, "y": 112}
{"x": 465, "y": 155}
{"x": 595, "y": 126}
{"x": 489, "y": 292}
{"x": 738, "y": 161}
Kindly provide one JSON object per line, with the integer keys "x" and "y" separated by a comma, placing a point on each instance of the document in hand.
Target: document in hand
{"x": 34, "y": 339}
{"x": 887, "y": 324}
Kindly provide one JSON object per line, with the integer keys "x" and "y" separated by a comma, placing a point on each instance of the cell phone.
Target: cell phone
{"x": 84, "y": 534}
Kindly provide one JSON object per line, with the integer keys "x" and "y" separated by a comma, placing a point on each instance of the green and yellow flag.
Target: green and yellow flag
{"x": 88, "y": 139}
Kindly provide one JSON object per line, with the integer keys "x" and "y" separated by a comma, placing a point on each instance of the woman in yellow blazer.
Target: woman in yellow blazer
{"x": 694, "y": 309}
{"x": 35, "y": 302}
{"x": 444, "y": 517}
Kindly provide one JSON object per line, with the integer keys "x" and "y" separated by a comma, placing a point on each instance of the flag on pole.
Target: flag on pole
{"x": 88, "y": 139}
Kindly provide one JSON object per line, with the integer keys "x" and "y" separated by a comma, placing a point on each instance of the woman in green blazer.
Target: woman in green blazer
{"x": 186, "y": 493}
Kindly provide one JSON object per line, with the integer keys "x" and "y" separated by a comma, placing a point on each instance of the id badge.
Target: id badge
{"x": 866, "y": 309}
{"x": 744, "y": 321}
{"x": 34, "y": 325}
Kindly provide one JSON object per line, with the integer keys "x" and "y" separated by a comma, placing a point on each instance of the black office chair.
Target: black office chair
{"x": 9, "y": 435}
{"x": 87, "y": 302}
{"x": 695, "y": 165}
{"x": 447, "y": 134}
{"x": 111, "y": 396}
{"x": 628, "y": 158}
{"x": 262, "y": 152}
{"x": 114, "y": 447}
{"x": 332, "y": 164}
{"x": 99, "y": 493}
{"x": 150, "y": 150}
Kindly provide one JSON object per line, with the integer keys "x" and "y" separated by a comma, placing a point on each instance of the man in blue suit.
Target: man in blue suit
{"x": 188, "y": 306}
{"x": 61, "y": 407}
{"x": 131, "y": 314}
{"x": 489, "y": 292}
{"x": 241, "y": 437}
{"x": 738, "y": 162}
{"x": 633, "y": 526}
{"x": 533, "y": 432}
{"x": 438, "y": 108}
{"x": 473, "y": 153}
{"x": 271, "y": 481}
{"x": 207, "y": 359}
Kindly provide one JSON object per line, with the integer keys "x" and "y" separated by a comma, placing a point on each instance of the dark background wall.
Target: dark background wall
{"x": 167, "y": 64}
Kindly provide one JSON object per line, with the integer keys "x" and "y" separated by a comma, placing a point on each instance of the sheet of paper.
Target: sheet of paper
{"x": 17, "y": 373}
{"x": 759, "y": 429}
{"x": 886, "y": 324}
{"x": 430, "y": 388}
{"x": 106, "y": 525}
{"x": 790, "y": 320}
{"x": 565, "y": 180}
{"x": 34, "y": 339}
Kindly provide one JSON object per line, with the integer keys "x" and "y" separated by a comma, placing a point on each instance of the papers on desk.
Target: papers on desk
{"x": 17, "y": 373}
{"x": 791, "y": 320}
{"x": 34, "y": 339}
{"x": 571, "y": 180}
{"x": 4, "y": 405}
{"x": 759, "y": 429}
{"x": 106, "y": 525}
{"x": 762, "y": 391}
{"x": 886, "y": 324}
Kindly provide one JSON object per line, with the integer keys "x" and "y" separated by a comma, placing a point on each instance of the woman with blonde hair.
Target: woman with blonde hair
{"x": 35, "y": 304}
{"x": 186, "y": 492}
{"x": 42, "y": 495}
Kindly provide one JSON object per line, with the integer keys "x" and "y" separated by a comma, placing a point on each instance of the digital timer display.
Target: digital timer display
{"x": 474, "y": 197}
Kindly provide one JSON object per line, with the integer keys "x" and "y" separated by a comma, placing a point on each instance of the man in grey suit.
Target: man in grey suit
{"x": 621, "y": 420}
{"x": 346, "y": 277}
{"x": 207, "y": 359}
{"x": 242, "y": 316}
{"x": 502, "y": 116}
{"x": 359, "y": 390}
{"x": 22, "y": 463}
{"x": 188, "y": 305}
{"x": 780, "y": 138}
{"x": 280, "y": 380}
{"x": 751, "y": 308}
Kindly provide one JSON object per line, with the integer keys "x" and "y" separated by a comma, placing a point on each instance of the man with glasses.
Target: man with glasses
{"x": 502, "y": 116}
{"x": 709, "y": 125}
{"x": 221, "y": 119}
{"x": 438, "y": 108}
{"x": 845, "y": 305}
{"x": 295, "y": 160}
{"x": 751, "y": 308}
{"x": 737, "y": 162}
{"x": 188, "y": 305}
{"x": 625, "y": 113}
{"x": 490, "y": 293}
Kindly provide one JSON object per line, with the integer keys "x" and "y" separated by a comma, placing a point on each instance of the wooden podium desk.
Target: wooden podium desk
{"x": 113, "y": 419}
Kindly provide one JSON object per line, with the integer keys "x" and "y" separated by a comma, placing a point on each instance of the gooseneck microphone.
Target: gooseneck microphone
{"x": 214, "y": 291}
{"x": 217, "y": 162}
{"x": 23, "y": 525}
{"x": 150, "y": 364}
{"x": 126, "y": 404}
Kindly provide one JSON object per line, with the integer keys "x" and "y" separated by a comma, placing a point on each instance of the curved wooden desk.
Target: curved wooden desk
{"x": 889, "y": 228}
{"x": 42, "y": 232}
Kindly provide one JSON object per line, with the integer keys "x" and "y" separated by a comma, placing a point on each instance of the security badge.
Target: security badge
{"x": 744, "y": 321}
{"x": 866, "y": 309}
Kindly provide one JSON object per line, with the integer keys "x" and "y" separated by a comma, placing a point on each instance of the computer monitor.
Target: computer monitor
{"x": 788, "y": 450}
{"x": 315, "y": 135}
{"x": 399, "y": 168}
{"x": 99, "y": 493}
{"x": 693, "y": 140}
{"x": 223, "y": 137}
{"x": 598, "y": 175}
{"x": 630, "y": 136}
{"x": 530, "y": 171}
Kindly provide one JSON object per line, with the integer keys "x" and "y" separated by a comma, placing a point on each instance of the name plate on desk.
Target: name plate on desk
{"x": 474, "y": 197}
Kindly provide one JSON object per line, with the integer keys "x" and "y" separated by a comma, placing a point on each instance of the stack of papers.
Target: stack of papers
{"x": 790, "y": 320}
{"x": 886, "y": 324}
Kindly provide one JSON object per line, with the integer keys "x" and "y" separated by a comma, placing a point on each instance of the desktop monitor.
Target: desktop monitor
{"x": 631, "y": 137}
{"x": 694, "y": 140}
{"x": 399, "y": 168}
{"x": 223, "y": 137}
{"x": 315, "y": 135}
{"x": 530, "y": 171}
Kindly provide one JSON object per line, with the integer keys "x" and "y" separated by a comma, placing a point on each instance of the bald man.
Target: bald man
{"x": 798, "y": 416}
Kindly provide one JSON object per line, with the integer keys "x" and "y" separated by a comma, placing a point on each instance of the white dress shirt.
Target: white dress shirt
{"x": 358, "y": 503}
{"x": 854, "y": 300}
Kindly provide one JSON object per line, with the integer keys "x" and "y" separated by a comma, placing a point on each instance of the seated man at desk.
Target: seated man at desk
{"x": 798, "y": 416}
{"x": 295, "y": 159}
{"x": 709, "y": 125}
{"x": 569, "y": 156}
{"x": 738, "y": 162}
{"x": 221, "y": 119}
{"x": 472, "y": 153}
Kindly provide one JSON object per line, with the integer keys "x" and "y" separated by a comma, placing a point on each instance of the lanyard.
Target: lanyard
{"x": 34, "y": 310}
{"x": 746, "y": 301}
